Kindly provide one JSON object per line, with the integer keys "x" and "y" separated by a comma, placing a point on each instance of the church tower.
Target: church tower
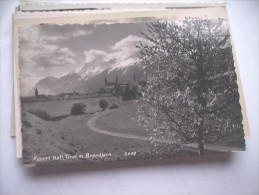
{"x": 106, "y": 82}
{"x": 116, "y": 80}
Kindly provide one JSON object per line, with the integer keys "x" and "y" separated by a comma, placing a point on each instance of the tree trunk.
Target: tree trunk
{"x": 200, "y": 141}
{"x": 202, "y": 101}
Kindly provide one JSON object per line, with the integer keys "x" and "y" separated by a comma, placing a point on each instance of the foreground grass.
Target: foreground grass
{"x": 122, "y": 120}
{"x": 72, "y": 136}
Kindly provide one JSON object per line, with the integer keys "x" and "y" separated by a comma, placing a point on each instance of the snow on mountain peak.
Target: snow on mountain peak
{"x": 122, "y": 55}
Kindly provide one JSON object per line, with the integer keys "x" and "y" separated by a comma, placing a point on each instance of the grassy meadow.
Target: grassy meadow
{"x": 72, "y": 135}
{"x": 63, "y": 107}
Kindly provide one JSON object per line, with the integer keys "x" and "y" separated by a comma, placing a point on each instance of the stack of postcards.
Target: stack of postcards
{"x": 115, "y": 82}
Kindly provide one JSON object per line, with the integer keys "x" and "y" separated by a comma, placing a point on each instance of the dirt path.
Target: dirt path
{"x": 93, "y": 127}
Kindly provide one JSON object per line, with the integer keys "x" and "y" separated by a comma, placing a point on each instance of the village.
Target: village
{"x": 123, "y": 91}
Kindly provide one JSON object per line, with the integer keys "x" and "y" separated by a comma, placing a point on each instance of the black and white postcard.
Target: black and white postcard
{"x": 142, "y": 86}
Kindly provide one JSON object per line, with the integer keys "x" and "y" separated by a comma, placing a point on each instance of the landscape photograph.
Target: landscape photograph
{"x": 103, "y": 92}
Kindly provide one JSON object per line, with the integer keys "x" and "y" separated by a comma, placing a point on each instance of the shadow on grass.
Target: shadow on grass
{"x": 47, "y": 117}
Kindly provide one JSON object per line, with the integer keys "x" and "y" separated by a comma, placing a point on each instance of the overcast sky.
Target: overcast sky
{"x": 55, "y": 50}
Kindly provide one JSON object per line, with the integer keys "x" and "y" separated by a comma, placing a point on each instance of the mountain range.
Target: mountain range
{"x": 91, "y": 76}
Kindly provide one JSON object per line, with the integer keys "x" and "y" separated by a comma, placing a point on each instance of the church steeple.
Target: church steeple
{"x": 116, "y": 79}
{"x": 134, "y": 78}
{"x": 106, "y": 82}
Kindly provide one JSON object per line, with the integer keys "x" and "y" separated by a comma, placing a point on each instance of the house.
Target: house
{"x": 110, "y": 87}
{"x": 68, "y": 95}
{"x": 127, "y": 91}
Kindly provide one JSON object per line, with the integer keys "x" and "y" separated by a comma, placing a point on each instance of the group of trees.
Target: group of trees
{"x": 80, "y": 107}
{"x": 191, "y": 93}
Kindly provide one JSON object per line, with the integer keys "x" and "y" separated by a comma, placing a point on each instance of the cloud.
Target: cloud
{"x": 123, "y": 54}
{"x": 54, "y": 38}
{"x": 128, "y": 43}
{"x": 125, "y": 51}
{"x": 36, "y": 51}
{"x": 81, "y": 33}
{"x": 35, "y": 46}
{"x": 40, "y": 56}
{"x": 93, "y": 54}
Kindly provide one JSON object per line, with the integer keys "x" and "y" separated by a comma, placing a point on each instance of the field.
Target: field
{"x": 73, "y": 135}
{"x": 63, "y": 107}
{"x": 123, "y": 120}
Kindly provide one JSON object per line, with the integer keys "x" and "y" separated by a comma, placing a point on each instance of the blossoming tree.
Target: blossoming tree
{"x": 191, "y": 94}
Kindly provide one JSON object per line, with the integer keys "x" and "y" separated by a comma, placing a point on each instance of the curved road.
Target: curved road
{"x": 93, "y": 127}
